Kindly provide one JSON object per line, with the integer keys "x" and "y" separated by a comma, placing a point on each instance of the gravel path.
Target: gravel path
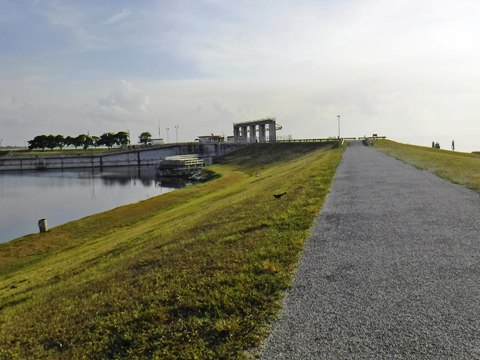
{"x": 391, "y": 270}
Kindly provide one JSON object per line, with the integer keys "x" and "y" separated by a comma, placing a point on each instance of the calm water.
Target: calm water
{"x": 62, "y": 196}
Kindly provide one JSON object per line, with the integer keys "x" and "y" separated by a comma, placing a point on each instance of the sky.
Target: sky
{"x": 406, "y": 69}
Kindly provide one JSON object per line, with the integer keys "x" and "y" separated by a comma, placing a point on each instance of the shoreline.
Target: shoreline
{"x": 131, "y": 157}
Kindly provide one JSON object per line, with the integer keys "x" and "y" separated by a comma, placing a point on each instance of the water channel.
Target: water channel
{"x": 63, "y": 196}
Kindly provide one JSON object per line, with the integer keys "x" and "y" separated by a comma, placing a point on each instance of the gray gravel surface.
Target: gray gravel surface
{"x": 390, "y": 271}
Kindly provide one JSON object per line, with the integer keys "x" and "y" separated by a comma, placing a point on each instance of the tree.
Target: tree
{"x": 60, "y": 141}
{"x": 38, "y": 142}
{"x": 107, "y": 139}
{"x": 87, "y": 142}
{"x": 79, "y": 140}
{"x": 51, "y": 143}
{"x": 69, "y": 140}
{"x": 145, "y": 138}
{"x": 110, "y": 139}
{"x": 95, "y": 140}
{"x": 122, "y": 138}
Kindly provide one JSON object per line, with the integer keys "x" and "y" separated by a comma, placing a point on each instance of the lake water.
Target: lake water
{"x": 63, "y": 196}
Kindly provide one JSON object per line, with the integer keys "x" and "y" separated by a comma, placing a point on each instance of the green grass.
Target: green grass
{"x": 198, "y": 273}
{"x": 457, "y": 167}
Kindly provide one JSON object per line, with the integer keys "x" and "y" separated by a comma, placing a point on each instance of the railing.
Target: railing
{"x": 188, "y": 160}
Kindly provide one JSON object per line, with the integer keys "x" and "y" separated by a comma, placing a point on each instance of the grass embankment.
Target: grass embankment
{"x": 196, "y": 273}
{"x": 457, "y": 167}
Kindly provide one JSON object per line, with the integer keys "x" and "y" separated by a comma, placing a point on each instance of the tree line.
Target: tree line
{"x": 84, "y": 141}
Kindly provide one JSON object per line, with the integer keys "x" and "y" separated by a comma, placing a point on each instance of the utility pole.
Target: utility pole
{"x": 176, "y": 134}
{"x": 168, "y": 140}
{"x": 338, "y": 118}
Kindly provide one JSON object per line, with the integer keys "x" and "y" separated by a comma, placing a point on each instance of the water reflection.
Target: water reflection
{"x": 62, "y": 196}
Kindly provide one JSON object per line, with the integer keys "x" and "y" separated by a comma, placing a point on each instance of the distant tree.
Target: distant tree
{"x": 110, "y": 139}
{"x": 87, "y": 142}
{"x": 145, "y": 138}
{"x": 107, "y": 139}
{"x": 60, "y": 141}
{"x": 122, "y": 138}
{"x": 69, "y": 141}
{"x": 38, "y": 142}
{"x": 79, "y": 140}
{"x": 95, "y": 141}
{"x": 51, "y": 143}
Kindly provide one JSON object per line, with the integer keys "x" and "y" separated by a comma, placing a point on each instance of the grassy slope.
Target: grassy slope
{"x": 196, "y": 273}
{"x": 458, "y": 167}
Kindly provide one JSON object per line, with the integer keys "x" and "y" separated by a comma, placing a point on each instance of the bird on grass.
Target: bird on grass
{"x": 278, "y": 196}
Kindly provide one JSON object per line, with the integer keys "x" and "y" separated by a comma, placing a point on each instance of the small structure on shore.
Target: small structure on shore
{"x": 211, "y": 139}
{"x": 156, "y": 141}
{"x": 183, "y": 166}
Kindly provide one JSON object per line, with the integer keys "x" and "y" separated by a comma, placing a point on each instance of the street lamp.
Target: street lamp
{"x": 338, "y": 118}
{"x": 176, "y": 133}
{"x": 168, "y": 139}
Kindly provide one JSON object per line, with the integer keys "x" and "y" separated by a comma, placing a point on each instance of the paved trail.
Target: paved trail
{"x": 391, "y": 270}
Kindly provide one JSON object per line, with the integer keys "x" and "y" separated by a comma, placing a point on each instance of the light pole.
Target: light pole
{"x": 168, "y": 139}
{"x": 338, "y": 118}
{"x": 176, "y": 134}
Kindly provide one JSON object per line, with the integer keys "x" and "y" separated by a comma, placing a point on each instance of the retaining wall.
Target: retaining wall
{"x": 136, "y": 157}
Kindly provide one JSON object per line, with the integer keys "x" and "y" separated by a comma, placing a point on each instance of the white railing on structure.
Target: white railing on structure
{"x": 189, "y": 160}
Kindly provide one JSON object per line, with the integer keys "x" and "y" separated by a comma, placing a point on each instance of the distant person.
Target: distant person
{"x": 453, "y": 145}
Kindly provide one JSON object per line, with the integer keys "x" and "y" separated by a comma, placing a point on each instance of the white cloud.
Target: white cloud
{"x": 81, "y": 23}
{"x": 118, "y": 17}
{"x": 125, "y": 99}
{"x": 388, "y": 67}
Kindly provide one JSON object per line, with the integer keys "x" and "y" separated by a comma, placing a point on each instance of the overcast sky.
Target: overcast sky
{"x": 406, "y": 69}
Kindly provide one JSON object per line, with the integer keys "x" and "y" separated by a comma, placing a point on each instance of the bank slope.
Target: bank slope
{"x": 196, "y": 273}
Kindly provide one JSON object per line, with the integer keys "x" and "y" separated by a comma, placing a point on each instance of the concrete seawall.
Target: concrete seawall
{"x": 133, "y": 157}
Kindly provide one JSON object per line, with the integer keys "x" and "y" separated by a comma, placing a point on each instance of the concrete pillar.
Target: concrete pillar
{"x": 253, "y": 133}
{"x": 244, "y": 134}
{"x": 272, "y": 132}
{"x": 42, "y": 225}
{"x": 236, "y": 134}
{"x": 262, "y": 136}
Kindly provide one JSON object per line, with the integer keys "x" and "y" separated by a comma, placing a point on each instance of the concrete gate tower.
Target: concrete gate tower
{"x": 246, "y": 132}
